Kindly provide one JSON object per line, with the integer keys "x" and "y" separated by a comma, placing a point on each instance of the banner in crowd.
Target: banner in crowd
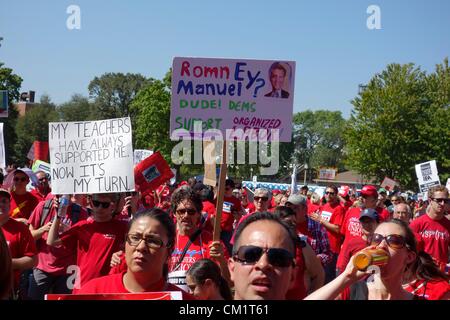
{"x": 152, "y": 172}
{"x": 163, "y": 295}
{"x": 427, "y": 175}
{"x": 4, "y": 105}
{"x": 39, "y": 165}
{"x": 232, "y": 94}
{"x": 388, "y": 184}
{"x": 2, "y": 148}
{"x": 141, "y": 154}
{"x": 91, "y": 156}
{"x": 327, "y": 173}
{"x": 40, "y": 150}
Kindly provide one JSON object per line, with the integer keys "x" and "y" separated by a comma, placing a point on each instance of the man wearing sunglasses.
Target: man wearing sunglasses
{"x": 434, "y": 227}
{"x": 50, "y": 275}
{"x": 94, "y": 240}
{"x": 262, "y": 266}
{"x": 22, "y": 201}
{"x": 43, "y": 189}
{"x": 331, "y": 216}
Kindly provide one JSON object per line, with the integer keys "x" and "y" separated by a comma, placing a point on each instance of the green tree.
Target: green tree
{"x": 78, "y": 108}
{"x": 399, "y": 120}
{"x": 318, "y": 139}
{"x": 114, "y": 92}
{"x": 11, "y": 82}
{"x": 34, "y": 126}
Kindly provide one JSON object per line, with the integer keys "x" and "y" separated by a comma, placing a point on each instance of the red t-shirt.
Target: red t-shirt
{"x": 249, "y": 208}
{"x": 312, "y": 208}
{"x": 210, "y": 210}
{"x": 353, "y": 246}
{"x": 199, "y": 249}
{"x": 334, "y": 214}
{"x": 114, "y": 284}
{"x": 20, "y": 242}
{"x": 230, "y": 204}
{"x": 54, "y": 260}
{"x": 95, "y": 242}
{"x": 435, "y": 237}
{"x": 429, "y": 290}
{"x": 383, "y": 214}
{"x": 22, "y": 205}
{"x": 38, "y": 195}
{"x": 298, "y": 291}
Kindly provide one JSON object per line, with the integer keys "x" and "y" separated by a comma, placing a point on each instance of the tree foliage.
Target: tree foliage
{"x": 399, "y": 120}
{"x": 114, "y": 92}
{"x": 11, "y": 82}
{"x": 78, "y": 108}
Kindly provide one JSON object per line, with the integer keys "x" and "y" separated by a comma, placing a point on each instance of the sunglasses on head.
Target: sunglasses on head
{"x": 104, "y": 205}
{"x": 23, "y": 179}
{"x": 190, "y": 212}
{"x": 394, "y": 241}
{"x": 441, "y": 200}
{"x": 277, "y": 257}
{"x": 260, "y": 198}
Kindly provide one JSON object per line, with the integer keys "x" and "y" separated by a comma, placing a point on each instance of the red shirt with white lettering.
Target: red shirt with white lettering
{"x": 54, "y": 260}
{"x": 20, "y": 242}
{"x": 435, "y": 237}
{"x": 429, "y": 290}
{"x": 114, "y": 284}
{"x": 22, "y": 205}
{"x": 95, "y": 242}
{"x": 334, "y": 214}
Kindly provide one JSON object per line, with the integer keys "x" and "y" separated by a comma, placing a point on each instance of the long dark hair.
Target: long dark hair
{"x": 207, "y": 269}
{"x": 423, "y": 267}
{"x": 162, "y": 217}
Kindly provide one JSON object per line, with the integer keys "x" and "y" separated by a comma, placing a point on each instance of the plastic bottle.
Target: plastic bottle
{"x": 64, "y": 202}
{"x": 369, "y": 257}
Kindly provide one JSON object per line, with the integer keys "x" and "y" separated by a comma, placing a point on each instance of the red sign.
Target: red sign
{"x": 163, "y": 295}
{"x": 41, "y": 150}
{"x": 152, "y": 172}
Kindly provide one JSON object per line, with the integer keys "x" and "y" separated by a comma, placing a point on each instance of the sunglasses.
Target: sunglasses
{"x": 190, "y": 212}
{"x": 134, "y": 239}
{"x": 278, "y": 257}
{"x": 23, "y": 179}
{"x": 104, "y": 205}
{"x": 441, "y": 200}
{"x": 394, "y": 241}
{"x": 261, "y": 198}
{"x": 330, "y": 193}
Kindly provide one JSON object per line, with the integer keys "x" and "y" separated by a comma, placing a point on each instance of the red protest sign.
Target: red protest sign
{"x": 163, "y": 295}
{"x": 41, "y": 150}
{"x": 152, "y": 172}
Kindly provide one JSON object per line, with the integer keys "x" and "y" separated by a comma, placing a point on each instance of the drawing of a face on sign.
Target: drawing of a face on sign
{"x": 280, "y": 80}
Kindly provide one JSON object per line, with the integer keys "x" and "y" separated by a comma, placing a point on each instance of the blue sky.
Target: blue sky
{"x": 328, "y": 39}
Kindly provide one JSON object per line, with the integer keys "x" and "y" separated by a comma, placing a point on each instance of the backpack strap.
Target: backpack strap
{"x": 46, "y": 211}
{"x": 186, "y": 247}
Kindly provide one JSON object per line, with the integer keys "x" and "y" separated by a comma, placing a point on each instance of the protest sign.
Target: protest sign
{"x": 141, "y": 154}
{"x": 41, "y": 150}
{"x": 150, "y": 173}
{"x": 427, "y": 175}
{"x": 39, "y": 165}
{"x": 327, "y": 173}
{"x": 388, "y": 184}
{"x": 2, "y": 148}
{"x": 4, "y": 105}
{"x": 91, "y": 156}
{"x": 232, "y": 94}
{"x": 163, "y": 295}
{"x": 448, "y": 185}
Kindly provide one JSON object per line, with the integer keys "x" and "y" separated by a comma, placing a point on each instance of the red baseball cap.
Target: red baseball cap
{"x": 369, "y": 191}
{"x": 276, "y": 191}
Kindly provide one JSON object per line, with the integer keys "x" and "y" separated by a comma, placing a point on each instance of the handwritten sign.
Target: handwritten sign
{"x": 327, "y": 173}
{"x": 91, "y": 156}
{"x": 141, "y": 154}
{"x": 2, "y": 148}
{"x": 232, "y": 94}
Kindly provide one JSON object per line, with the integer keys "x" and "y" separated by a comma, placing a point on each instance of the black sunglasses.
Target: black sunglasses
{"x": 104, "y": 205}
{"x": 261, "y": 198}
{"x": 330, "y": 193}
{"x": 441, "y": 200}
{"x": 394, "y": 241}
{"x": 278, "y": 257}
{"x": 190, "y": 212}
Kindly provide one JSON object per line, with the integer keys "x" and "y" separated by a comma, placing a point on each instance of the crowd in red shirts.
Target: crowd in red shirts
{"x": 161, "y": 240}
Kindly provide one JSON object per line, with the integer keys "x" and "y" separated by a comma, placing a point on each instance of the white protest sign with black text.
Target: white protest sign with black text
{"x": 2, "y": 148}
{"x": 91, "y": 156}
{"x": 427, "y": 175}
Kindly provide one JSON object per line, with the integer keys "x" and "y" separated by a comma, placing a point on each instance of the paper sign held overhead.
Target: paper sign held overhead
{"x": 91, "y": 156}
{"x": 427, "y": 175}
{"x": 232, "y": 94}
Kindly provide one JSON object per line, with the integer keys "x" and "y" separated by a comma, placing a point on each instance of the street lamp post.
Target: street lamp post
{"x": 304, "y": 178}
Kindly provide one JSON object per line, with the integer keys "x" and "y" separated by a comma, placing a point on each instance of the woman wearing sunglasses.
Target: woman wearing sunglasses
{"x": 399, "y": 242}
{"x": 149, "y": 242}
{"x": 94, "y": 240}
{"x": 192, "y": 243}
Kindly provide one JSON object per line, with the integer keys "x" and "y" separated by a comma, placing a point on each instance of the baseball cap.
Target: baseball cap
{"x": 296, "y": 199}
{"x": 5, "y": 193}
{"x": 369, "y": 191}
{"x": 370, "y": 213}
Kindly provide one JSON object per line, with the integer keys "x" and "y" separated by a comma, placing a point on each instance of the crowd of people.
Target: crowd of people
{"x": 274, "y": 244}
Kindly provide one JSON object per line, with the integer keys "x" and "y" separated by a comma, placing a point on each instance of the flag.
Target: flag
{"x": 41, "y": 150}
